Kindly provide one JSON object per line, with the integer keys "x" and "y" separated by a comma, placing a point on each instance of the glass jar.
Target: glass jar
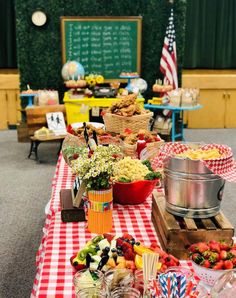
{"x": 125, "y": 292}
{"x": 88, "y": 279}
{"x": 114, "y": 278}
{"x": 91, "y": 293}
{"x": 138, "y": 281}
{"x": 181, "y": 271}
{"x": 225, "y": 286}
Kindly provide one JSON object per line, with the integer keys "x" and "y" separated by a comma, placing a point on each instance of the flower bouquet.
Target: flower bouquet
{"x": 96, "y": 169}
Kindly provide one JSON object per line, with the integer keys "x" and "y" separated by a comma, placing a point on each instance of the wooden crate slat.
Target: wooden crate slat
{"x": 190, "y": 224}
{"x": 160, "y": 232}
{"x": 208, "y": 224}
{"x": 170, "y": 221}
{"x": 223, "y": 221}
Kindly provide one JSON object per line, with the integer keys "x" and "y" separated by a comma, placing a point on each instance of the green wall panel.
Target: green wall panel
{"x": 39, "y": 49}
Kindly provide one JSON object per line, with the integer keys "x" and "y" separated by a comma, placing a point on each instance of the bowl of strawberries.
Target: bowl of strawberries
{"x": 212, "y": 259}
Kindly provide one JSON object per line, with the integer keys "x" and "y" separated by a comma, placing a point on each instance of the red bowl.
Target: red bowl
{"x": 134, "y": 192}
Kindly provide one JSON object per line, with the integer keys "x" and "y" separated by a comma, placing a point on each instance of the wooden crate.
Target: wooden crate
{"x": 176, "y": 234}
{"x": 22, "y": 132}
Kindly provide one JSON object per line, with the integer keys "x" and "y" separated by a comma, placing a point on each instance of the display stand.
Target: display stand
{"x": 175, "y": 111}
{"x": 129, "y": 85}
{"x": 30, "y": 97}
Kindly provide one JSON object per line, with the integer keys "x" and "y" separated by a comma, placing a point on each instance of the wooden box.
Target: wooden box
{"x": 22, "y": 132}
{"x": 69, "y": 213}
{"x": 176, "y": 234}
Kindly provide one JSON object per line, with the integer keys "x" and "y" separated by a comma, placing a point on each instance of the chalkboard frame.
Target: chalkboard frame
{"x": 137, "y": 19}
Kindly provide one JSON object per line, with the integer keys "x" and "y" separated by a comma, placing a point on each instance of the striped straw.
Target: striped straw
{"x": 182, "y": 288}
{"x": 163, "y": 283}
{"x": 175, "y": 291}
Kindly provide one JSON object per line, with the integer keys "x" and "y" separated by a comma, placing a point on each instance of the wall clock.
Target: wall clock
{"x": 39, "y": 18}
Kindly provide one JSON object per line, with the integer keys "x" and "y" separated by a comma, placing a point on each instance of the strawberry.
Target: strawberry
{"x": 228, "y": 264}
{"x": 233, "y": 252}
{"x": 174, "y": 259}
{"x": 215, "y": 257}
{"x": 127, "y": 236}
{"x": 202, "y": 246}
{"x": 197, "y": 258}
{"x": 129, "y": 254}
{"x": 119, "y": 242}
{"x": 234, "y": 261}
{"x": 169, "y": 262}
{"x": 109, "y": 237}
{"x": 207, "y": 254}
{"x": 154, "y": 246}
{"x": 206, "y": 264}
{"x": 125, "y": 246}
{"x": 72, "y": 258}
{"x": 163, "y": 267}
{"x": 193, "y": 248}
{"x": 223, "y": 255}
{"x": 214, "y": 246}
{"x": 224, "y": 246}
{"x": 219, "y": 265}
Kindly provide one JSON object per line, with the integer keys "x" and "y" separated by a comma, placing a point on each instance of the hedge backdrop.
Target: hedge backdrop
{"x": 39, "y": 49}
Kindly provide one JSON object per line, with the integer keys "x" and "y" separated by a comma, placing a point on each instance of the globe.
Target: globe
{"x": 72, "y": 70}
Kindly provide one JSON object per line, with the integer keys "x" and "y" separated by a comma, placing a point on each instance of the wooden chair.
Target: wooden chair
{"x": 36, "y": 119}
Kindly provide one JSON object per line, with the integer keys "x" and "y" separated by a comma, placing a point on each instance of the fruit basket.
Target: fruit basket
{"x": 208, "y": 275}
{"x": 212, "y": 259}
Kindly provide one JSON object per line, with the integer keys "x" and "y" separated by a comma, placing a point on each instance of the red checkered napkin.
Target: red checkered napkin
{"x": 225, "y": 166}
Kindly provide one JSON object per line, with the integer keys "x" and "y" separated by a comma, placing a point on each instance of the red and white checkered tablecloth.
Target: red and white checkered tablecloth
{"x": 54, "y": 276}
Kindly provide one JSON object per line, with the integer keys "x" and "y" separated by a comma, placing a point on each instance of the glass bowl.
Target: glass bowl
{"x": 115, "y": 278}
{"x": 86, "y": 278}
{"x": 125, "y": 292}
{"x": 225, "y": 285}
{"x": 208, "y": 275}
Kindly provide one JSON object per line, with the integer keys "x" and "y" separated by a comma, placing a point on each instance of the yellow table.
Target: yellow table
{"x": 77, "y": 109}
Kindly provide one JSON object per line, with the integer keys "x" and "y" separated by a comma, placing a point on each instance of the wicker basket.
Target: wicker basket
{"x": 152, "y": 149}
{"x": 117, "y": 124}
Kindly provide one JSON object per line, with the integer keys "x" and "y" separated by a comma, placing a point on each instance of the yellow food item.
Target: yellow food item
{"x": 201, "y": 154}
{"x": 139, "y": 262}
{"x": 139, "y": 249}
{"x": 130, "y": 169}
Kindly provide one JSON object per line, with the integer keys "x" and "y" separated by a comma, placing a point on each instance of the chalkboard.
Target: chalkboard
{"x": 103, "y": 45}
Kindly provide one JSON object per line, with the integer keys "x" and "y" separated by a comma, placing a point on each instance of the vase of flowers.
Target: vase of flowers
{"x": 96, "y": 169}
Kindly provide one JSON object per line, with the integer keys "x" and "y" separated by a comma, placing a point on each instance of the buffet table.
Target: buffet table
{"x": 54, "y": 275}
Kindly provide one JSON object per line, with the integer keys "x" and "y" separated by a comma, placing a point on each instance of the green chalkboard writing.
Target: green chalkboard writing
{"x": 103, "y": 45}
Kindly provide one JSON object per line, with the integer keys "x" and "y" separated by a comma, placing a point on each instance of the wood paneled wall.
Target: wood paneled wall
{"x": 9, "y": 98}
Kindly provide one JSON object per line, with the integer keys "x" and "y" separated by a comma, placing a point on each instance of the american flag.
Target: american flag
{"x": 168, "y": 63}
